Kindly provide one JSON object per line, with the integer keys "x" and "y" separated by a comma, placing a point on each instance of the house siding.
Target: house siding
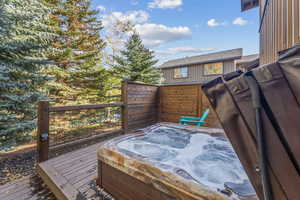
{"x": 280, "y": 28}
{"x": 195, "y": 73}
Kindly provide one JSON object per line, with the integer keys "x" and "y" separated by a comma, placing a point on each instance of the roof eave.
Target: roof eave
{"x": 199, "y": 63}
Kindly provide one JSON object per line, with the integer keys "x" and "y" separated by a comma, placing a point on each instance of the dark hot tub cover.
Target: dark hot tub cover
{"x": 231, "y": 99}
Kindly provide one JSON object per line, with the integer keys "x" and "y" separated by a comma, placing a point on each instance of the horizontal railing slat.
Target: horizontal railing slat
{"x": 83, "y": 107}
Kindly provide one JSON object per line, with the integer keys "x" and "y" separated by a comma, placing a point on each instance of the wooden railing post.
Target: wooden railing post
{"x": 125, "y": 106}
{"x": 43, "y": 131}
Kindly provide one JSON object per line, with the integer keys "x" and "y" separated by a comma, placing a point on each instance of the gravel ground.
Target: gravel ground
{"x": 101, "y": 194}
{"x": 17, "y": 166}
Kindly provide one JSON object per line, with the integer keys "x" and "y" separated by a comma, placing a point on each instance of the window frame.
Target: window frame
{"x": 216, "y": 74}
{"x": 181, "y": 73}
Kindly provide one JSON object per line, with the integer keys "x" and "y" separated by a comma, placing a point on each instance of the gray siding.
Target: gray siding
{"x": 195, "y": 74}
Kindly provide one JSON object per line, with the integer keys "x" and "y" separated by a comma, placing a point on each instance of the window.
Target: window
{"x": 181, "y": 72}
{"x": 213, "y": 69}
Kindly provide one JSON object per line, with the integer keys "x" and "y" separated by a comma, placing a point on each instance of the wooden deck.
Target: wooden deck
{"x": 27, "y": 188}
{"x": 72, "y": 175}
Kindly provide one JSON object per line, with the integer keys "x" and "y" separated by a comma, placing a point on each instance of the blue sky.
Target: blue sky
{"x": 179, "y": 28}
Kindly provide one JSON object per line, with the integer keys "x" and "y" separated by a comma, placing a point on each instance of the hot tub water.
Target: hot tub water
{"x": 210, "y": 160}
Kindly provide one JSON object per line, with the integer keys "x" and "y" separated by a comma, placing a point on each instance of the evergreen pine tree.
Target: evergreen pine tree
{"x": 24, "y": 41}
{"x": 79, "y": 76}
{"x": 136, "y": 63}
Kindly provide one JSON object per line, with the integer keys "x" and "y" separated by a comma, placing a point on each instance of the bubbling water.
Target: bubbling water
{"x": 210, "y": 160}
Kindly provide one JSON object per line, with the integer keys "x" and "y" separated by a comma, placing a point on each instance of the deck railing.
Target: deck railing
{"x": 141, "y": 106}
{"x": 47, "y": 119}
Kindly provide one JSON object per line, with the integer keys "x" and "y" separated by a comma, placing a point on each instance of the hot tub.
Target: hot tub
{"x": 171, "y": 161}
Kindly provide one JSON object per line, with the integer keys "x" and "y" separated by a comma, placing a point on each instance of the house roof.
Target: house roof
{"x": 205, "y": 58}
{"x": 246, "y": 63}
{"x": 247, "y": 59}
{"x": 249, "y": 4}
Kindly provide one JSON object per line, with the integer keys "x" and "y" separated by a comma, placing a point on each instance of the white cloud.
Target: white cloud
{"x": 213, "y": 23}
{"x": 239, "y": 21}
{"x": 157, "y": 34}
{"x": 184, "y": 49}
{"x": 101, "y": 8}
{"x": 152, "y": 34}
{"x": 138, "y": 16}
{"x": 165, "y": 4}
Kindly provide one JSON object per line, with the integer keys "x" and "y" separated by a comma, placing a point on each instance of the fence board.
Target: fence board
{"x": 142, "y": 105}
{"x": 125, "y": 107}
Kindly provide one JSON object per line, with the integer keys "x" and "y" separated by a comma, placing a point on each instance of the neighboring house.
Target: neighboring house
{"x": 199, "y": 69}
{"x": 247, "y": 62}
{"x": 279, "y": 26}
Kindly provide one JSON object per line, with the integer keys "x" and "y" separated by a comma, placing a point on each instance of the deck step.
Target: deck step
{"x": 66, "y": 175}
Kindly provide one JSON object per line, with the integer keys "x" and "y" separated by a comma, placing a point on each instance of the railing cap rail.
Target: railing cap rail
{"x": 84, "y": 107}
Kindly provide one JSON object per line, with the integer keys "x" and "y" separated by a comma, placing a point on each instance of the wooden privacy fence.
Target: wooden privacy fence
{"x": 146, "y": 104}
{"x": 142, "y": 105}
{"x": 184, "y": 100}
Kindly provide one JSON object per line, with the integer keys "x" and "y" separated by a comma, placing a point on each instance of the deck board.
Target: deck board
{"x": 72, "y": 175}
{"x": 27, "y": 188}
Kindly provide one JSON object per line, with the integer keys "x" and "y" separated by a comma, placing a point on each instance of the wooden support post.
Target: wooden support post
{"x": 43, "y": 131}
{"x": 125, "y": 106}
